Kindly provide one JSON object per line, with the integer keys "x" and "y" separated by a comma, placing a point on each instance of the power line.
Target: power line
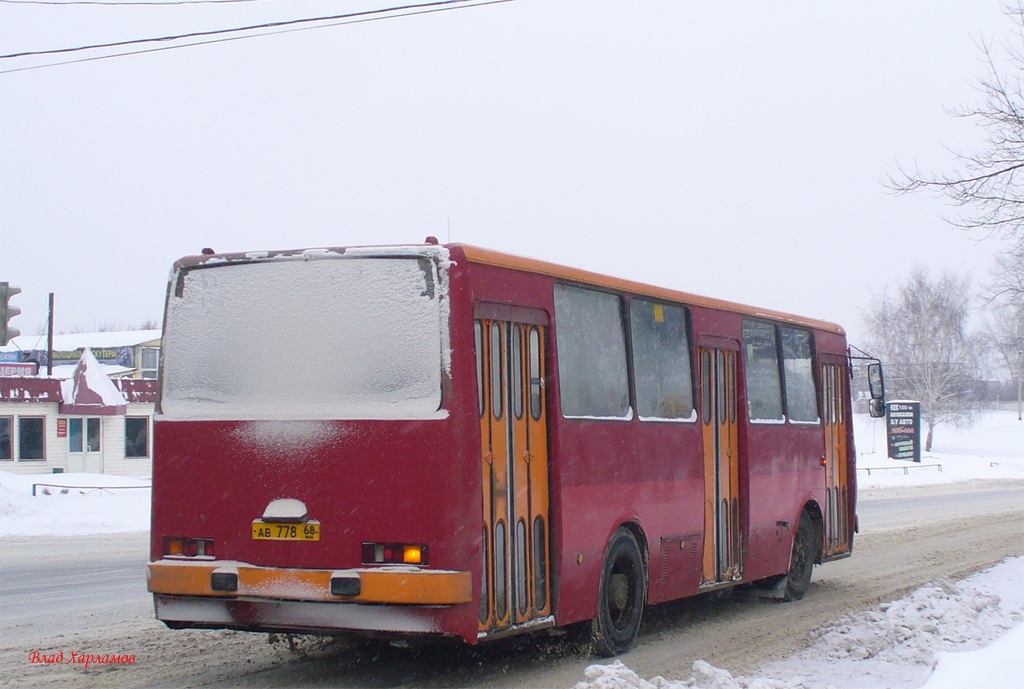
{"x": 216, "y": 32}
{"x": 431, "y": 8}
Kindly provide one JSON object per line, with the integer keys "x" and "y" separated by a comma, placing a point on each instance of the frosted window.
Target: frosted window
{"x": 764, "y": 390}
{"x": 324, "y": 338}
{"x": 661, "y": 361}
{"x": 801, "y": 394}
{"x": 591, "y": 353}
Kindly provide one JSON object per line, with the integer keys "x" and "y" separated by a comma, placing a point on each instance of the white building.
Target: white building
{"x": 86, "y": 422}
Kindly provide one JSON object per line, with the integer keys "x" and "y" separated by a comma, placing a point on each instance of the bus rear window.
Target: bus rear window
{"x": 326, "y": 338}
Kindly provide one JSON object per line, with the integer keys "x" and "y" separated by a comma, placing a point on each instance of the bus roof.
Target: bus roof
{"x": 489, "y": 257}
{"x": 476, "y": 254}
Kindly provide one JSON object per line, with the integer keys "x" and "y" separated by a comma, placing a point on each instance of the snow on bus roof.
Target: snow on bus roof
{"x": 491, "y": 257}
{"x": 482, "y": 256}
{"x": 384, "y": 250}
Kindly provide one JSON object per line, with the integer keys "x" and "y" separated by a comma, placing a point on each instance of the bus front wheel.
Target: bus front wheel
{"x": 801, "y": 563}
{"x": 621, "y": 603}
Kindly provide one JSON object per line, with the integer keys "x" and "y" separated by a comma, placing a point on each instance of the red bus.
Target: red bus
{"x": 451, "y": 441}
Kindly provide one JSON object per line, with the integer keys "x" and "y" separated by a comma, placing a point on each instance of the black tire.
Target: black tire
{"x": 623, "y": 592}
{"x": 801, "y": 562}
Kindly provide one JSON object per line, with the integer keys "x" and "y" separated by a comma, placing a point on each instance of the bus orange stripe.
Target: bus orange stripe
{"x": 400, "y": 587}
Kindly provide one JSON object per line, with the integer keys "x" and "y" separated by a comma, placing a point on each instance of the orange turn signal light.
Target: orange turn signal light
{"x": 395, "y": 553}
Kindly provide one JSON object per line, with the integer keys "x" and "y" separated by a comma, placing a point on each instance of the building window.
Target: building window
{"x": 31, "y": 437}
{"x": 592, "y": 374}
{"x": 136, "y": 436}
{"x": 6, "y": 426}
{"x": 798, "y": 368}
{"x": 150, "y": 362}
{"x": 764, "y": 389}
{"x": 661, "y": 361}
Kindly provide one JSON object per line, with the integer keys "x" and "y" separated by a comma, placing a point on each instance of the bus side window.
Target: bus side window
{"x": 798, "y": 367}
{"x": 661, "y": 360}
{"x": 764, "y": 389}
{"x": 591, "y": 342}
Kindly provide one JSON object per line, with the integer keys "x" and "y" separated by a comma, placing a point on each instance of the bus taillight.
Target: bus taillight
{"x": 394, "y": 553}
{"x": 188, "y": 547}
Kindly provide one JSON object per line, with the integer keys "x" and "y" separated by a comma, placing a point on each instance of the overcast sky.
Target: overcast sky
{"x": 737, "y": 150}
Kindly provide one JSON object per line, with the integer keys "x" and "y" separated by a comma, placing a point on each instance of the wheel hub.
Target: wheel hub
{"x": 618, "y": 592}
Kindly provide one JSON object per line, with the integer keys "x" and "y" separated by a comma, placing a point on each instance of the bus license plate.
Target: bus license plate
{"x": 281, "y": 531}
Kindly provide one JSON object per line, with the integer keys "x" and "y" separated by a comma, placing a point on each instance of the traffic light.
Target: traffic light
{"x": 7, "y": 312}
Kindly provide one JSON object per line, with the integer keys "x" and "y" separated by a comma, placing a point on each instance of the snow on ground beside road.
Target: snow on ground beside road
{"x": 992, "y": 448}
{"x": 893, "y": 646}
{"x": 74, "y": 508}
{"x": 986, "y": 667}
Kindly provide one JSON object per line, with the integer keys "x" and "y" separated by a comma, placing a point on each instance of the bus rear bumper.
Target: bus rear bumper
{"x": 407, "y": 586}
{"x": 260, "y": 614}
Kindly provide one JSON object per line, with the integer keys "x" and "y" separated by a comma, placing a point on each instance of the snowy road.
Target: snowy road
{"x": 88, "y": 594}
{"x": 46, "y": 581}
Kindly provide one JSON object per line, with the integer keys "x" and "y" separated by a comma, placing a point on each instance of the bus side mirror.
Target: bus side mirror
{"x": 876, "y": 384}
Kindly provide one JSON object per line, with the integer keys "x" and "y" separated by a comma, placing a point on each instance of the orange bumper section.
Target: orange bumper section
{"x": 397, "y": 586}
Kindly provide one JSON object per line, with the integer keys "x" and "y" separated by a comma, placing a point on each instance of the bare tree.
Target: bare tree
{"x": 988, "y": 184}
{"x": 929, "y": 356}
{"x": 1007, "y": 283}
{"x": 1005, "y": 332}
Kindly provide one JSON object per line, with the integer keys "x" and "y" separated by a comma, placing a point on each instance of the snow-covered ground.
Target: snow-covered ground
{"x": 949, "y": 635}
{"x": 72, "y": 504}
{"x": 992, "y": 448}
{"x": 971, "y": 632}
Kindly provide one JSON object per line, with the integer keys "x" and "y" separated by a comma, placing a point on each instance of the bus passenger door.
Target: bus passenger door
{"x": 513, "y": 426}
{"x": 834, "y": 382}
{"x": 722, "y": 540}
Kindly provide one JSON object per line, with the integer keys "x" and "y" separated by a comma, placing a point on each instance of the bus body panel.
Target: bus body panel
{"x": 420, "y": 481}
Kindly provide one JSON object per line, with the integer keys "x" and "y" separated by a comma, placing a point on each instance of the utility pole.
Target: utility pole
{"x": 49, "y": 340}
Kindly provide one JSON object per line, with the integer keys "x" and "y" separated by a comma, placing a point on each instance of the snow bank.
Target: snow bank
{"x": 943, "y": 616}
{"x": 986, "y": 667}
{"x": 71, "y": 504}
{"x": 892, "y": 646}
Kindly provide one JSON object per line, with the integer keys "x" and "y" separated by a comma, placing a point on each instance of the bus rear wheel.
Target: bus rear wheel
{"x": 621, "y": 603}
{"x": 801, "y": 563}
